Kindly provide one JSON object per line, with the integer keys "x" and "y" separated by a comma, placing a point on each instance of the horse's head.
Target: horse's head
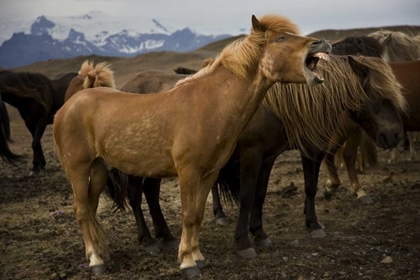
{"x": 287, "y": 57}
{"x": 379, "y": 115}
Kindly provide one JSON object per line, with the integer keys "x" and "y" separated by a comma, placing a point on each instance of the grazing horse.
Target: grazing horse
{"x": 296, "y": 116}
{"x": 89, "y": 77}
{"x": 37, "y": 98}
{"x": 189, "y": 131}
{"x": 394, "y": 46}
{"x": 5, "y": 153}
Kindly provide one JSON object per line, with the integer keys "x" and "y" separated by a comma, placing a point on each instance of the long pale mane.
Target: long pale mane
{"x": 100, "y": 76}
{"x": 243, "y": 55}
{"x": 398, "y": 45}
{"x": 312, "y": 115}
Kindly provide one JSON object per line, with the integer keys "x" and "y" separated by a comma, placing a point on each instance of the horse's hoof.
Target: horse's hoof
{"x": 222, "y": 221}
{"x": 191, "y": 272}
{"x": 200, "y": 264}
{"x": 97, "y": 269}
{"x": 366, "y": 200}
{"x": 248, "y": 253}
{"x": 328, "y": 195}
{"x": 173, "y": 244}
{"x": 318, "y": 233}
{"x": 152, "y": 249}
{"x": 265, "y": 243}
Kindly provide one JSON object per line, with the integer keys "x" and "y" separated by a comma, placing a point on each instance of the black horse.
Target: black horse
{"x": 253, "y": 160}
{"x": 37, "y": 98}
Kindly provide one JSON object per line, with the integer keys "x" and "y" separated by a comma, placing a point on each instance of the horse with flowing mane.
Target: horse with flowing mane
{"x": 393, "y": 47}
{"x": 151, "y": 135}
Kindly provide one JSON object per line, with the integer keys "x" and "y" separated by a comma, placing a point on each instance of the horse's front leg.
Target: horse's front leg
{"x": 221, "y": 218}
{"x": 151, "y": 190}
{"x": 413, "y": 154}
{"x": 194, "y": 190}
{"x": 311, "y": 165}
{"x": 350, "y": 157}
{"x": 261, "y": 239}
{"x": 134, "y": 193}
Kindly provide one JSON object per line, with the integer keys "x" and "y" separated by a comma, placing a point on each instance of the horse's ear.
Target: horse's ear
{"x": 387, "y": 38}
{"x": 256, "y": 25}
{"x": 361, "y": 71}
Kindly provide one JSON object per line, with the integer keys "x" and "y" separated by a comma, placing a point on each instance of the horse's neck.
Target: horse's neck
{"x": 242, "y": 96}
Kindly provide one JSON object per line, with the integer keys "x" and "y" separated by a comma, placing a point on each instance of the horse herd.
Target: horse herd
{"x": 220, "y": 128}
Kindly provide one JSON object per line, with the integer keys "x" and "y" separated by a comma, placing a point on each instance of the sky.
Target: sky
{"x": 309, "y": 15}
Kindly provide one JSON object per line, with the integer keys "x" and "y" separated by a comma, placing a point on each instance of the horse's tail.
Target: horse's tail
{"x": 4, "y": 115}
{"x": 229, "y": 182}
{"x": 368, "y": 151}
{"x": 116, "y": 189}
{"x": 100, "y": 76}
{"x": 5, "y": 153}
{"x": 98, "y": 234}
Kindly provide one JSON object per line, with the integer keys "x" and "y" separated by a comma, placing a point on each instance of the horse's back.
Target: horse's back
{"x": 151, "y": 82}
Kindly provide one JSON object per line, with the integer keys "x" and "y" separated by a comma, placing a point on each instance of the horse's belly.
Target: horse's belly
{"x": 156, "y": 164}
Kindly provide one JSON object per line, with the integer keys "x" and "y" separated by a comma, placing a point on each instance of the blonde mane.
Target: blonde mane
{"x": 100, "y": 76}
{"x": 312, "y": 115}
{"x": 398, "y": 45}
{"x": 242, "y": 56}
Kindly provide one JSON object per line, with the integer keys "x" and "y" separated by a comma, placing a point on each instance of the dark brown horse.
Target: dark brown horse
{"x": 395, "y": 47}
{"x": 95, "y": 131}
{"x": 37, "y": 98}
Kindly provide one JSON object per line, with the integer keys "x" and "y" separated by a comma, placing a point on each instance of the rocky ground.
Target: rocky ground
{"x": 41, "y": 240}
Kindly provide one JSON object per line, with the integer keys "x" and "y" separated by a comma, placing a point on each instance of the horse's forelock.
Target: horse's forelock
{"x": 383, "y": 81}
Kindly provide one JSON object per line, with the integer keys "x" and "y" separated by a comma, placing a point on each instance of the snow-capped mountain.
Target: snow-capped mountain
{"x": 25, "y": 42}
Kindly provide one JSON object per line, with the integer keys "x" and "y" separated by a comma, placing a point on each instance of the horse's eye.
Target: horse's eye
{"x": 280, "y": 39}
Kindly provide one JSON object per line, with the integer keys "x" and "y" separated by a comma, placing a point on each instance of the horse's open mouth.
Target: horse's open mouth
{"x": 319, "y": 50}
{"x": 311, "y": 62}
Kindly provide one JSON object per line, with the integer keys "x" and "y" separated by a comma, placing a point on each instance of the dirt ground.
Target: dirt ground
{"x": 41, "y": 240}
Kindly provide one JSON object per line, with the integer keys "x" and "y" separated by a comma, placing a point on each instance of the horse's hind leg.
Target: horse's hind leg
{"x": 311, "y": 167}
{"x": 261, "y": 239}
{"x": 333, "y": 181}
{"x": 37, "y": 130}
{"x": 413, "y": 155}
{"x": 221, "y": 218}
{"x": 350, "y": 157}
{"x": 134, "y": 193}
{"x": 86, "y": 198}
{"x": 151, "y": 190}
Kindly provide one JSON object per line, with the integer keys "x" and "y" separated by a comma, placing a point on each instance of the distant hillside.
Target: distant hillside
{"x": 338, "y": 34}
{"x": 126, "y": 68}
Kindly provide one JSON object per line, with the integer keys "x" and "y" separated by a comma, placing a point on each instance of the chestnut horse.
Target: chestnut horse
{"x": 89, "y": 77}
{"x": 37, "y": 98}
{"x": 295, "y": 116}
{"x": 396, "y": 46}
{"x": 189, "y": 131}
